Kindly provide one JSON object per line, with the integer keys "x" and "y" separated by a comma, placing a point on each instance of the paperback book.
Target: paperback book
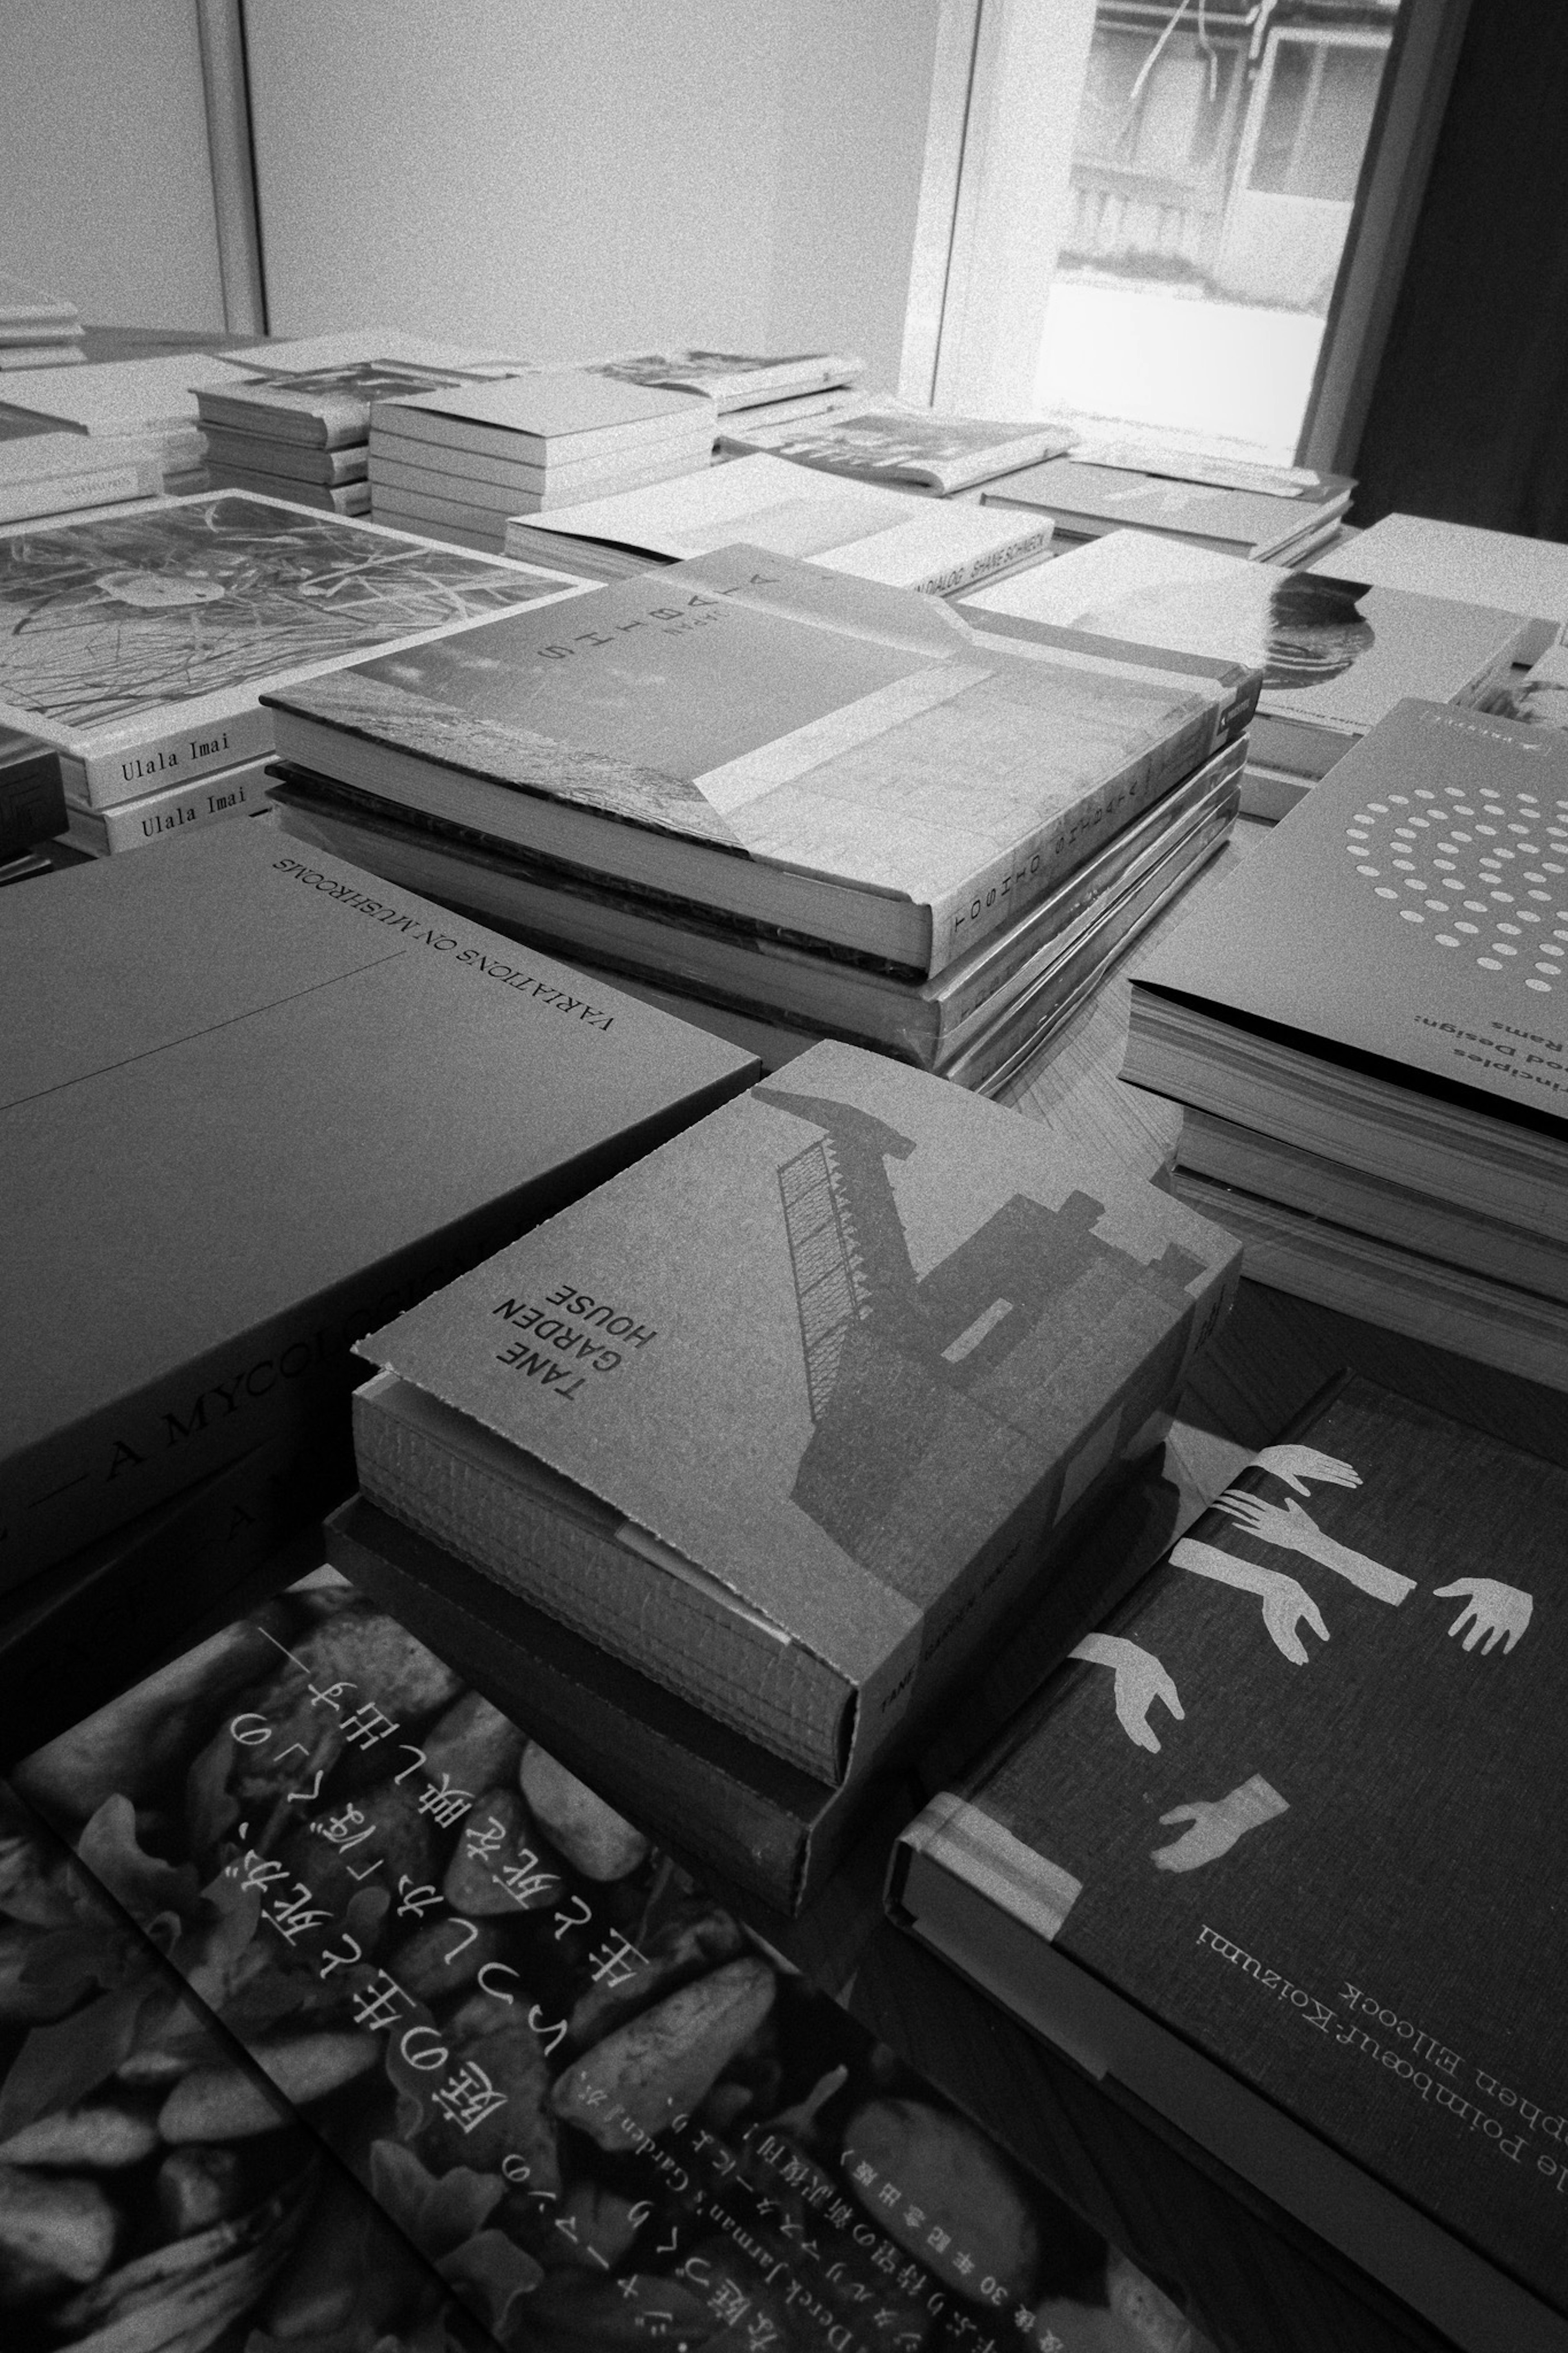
{"x": 1090, "y": 499}
{"x": 53, "y": 473}
{"x": 1480, "y": 567}
{"x": 225, "y": 1161}
{"x": 550, "y": 416}
{"x": 735, "y": 380}
{"x": 399, "y": 2033}
{"x": 869, "y": 1341}
{"x": 876, "y": 533}
{"x": 139, "y": 644}
{"x": 839, "y": 760}
{"x": 1214, "y": 1861}
{"x": 885, "y": 441}
{"x": 318, "y": 395}
{"x": 223, "y": 793}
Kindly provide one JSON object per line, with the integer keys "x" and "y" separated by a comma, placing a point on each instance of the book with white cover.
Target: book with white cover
{"x": 735, "y": 379}
{"x": 1336, "y": 655}
{"x": 539, "y": 418}
{"x": 566, "y": 482}
{"x": 857, "y": 527}
{"x": 138, "y": 643}
{"x": 239, "y": 791}
{"x": 120, "y": 396}
{"x": 1482, "y": 567}
{"x": 56, "y": 473}
{"x": 1090, "y": 499}
{"x": 890, "y": 441}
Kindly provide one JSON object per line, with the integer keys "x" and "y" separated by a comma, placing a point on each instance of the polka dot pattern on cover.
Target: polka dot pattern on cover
{"x": 1479, "y": 872}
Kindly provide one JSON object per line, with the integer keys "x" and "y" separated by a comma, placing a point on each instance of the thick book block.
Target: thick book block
{"x": 841, "y": 761}
{"x": 1262, "y": 1858}
{"x": 787, "y": 1416}
{"x": 251, "y": 1099}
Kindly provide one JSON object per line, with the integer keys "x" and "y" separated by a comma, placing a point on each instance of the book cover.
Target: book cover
{"x": 325, "y": 1901}
{"x": 1103, "y": 498}
{"x": 867, "y": 1340}
{"x": 121, "y": 395}
{"x": 1482, "y": 567}
{"x": 225, "y": 1159}
{"x": 327, "y": 406}
{"x": 887, "y": 442}
{"x": 1336, "y": 655}
{"x": 876, "y": 533}
{"x": 1408, "y": 917}
{"x": 1131, "y": 456}
{"x": 734, "y": 379}
{"x": 555, "y": 412}
{"x": 756, "y": 733}
{"x": 139, "y": 644}
{"x": 1265, "y": 1819}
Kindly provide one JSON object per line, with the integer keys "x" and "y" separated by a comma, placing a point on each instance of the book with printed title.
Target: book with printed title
{"x": 1259, "y": 1858}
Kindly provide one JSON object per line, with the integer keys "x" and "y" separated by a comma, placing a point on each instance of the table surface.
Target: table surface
{"x": 1252, "y": 2278}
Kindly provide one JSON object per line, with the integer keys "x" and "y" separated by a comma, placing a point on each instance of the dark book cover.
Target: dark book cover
{"x": 574, "y": 2084}
{"x": 1410, "y": 915}
{"x": 32, "y": 796}
{"x": 251, "y": 1100}
{"x": 787, "y": 1415}
{"x": 1288, "y": 1807}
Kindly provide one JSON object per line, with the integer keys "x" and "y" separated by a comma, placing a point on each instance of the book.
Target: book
{"x": 1378, "y": 984}
{"x": 139, "y": 644}
{"x": 28, "y": 308}
{"x": 31, "y": 798}
{"x": 222, "y": 794}
{"x": 314, "y": 1101}
{"x": 137, "y": 396}
{"x": 295, "y": 462}
{"x": 523, "y": 480}
{"x": 475, "y": 506}
{"x": 780, "y": 743}
{"x": 877, "y": 534}
{"x": 733, "y": 380}
{"x": 349, "y": 497}
{"x": 927, "y": 1022}
{"x": 1481, "y": 567}
{"x": 39, "y": 355}
{"x": 888, "y": 441}
{"x": 566, "y": 2086}
{"x": 1170, "y": 464}
{"x": 1091, "y": 500}
{"x": 1540, "y": 697}
{"x": 49, "y": 473}
{"x": 319, "y": 393}
{"x": 1214, "y": 1861}
{"x": 566, "y": 414}
{"x": 1336, "y": 655}
{"x": 795, "y": 1487}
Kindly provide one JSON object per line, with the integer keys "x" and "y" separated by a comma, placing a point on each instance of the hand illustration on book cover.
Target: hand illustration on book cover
{"x": 1140, "y": 1680}
{"x": 1286, "y": 1604}
{"x": 1216, "y": 1824}
{"x": 927, "y": 1391}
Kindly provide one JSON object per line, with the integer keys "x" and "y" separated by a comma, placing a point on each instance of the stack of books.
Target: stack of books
{"x": 1366, "y": 1026}
{"x": 1249, "y": 1857}
{"x": 142, "y": 400}
{"x": 36, "y": 329}
{"x": 1262, "y": 526}
{"x": 298, "y": 425}
{"x": 458, "y": 462}
{"x": 32, "y": 800}
{"x": 61, "y": 473}
{"x": 769, "y": 388}
{"x": 788, "y": 1421}
{"x": 254, "y": 1103}
{"x": 136, "y": 644}
{"x": 1336, "y": 654}
{"x": 798, "y": 799}
{"x": 481, "y": 2066}
{"x": 878, "y": 534}
{"x": 894, "y": 442}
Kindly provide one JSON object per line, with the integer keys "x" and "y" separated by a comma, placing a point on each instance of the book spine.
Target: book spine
{"x": 949, "y": 579}
{"x": 1000, "y": 892}
{"x": 133, "y": 824}
{"x": 32, "y": 802}
{"x": 176, "y": 755}
{"x": 63, "y": 493}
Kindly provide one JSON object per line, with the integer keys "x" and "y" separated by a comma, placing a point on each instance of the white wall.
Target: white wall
{"x": 105, "y": 185}
{"x": 566, "y": 176}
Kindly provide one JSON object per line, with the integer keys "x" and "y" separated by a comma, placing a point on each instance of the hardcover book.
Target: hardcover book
{"x": 1257, "y": 1859}
{"x": 1382, "y": 984}
{"x": 867, "y": 1340}
{"x": 733, "y": 380}
{"x": 1336, "y": 655}
{"x": 382, "y": 2027}
{"x": 1090, "y": 499}
{"x": 1481, "y": 567}
{"x": 876, "y": 533}
{"x": 847, "y": 762}
{"x": 225, "y": 1160}
{"x": 884, "y": 441}
{"x": 139, "y": 644}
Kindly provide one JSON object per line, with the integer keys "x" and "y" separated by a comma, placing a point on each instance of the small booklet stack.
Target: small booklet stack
{"x": 298, "y": 427}
{"x": 1263, "y": 526}
{"x": 1366, "y": 1025}
{"x": 1336, "y": 655}
{"x": 793, "y": 796}
{"x": 458, "y": 462}
{"x": 894, "y": 442}
{"x": 36, "y": 329}
{"x": 137, "y": 643}
{"x": 878, "y": 535}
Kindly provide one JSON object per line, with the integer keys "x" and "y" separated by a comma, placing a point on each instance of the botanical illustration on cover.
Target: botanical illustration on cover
{"x": 590, "y": 2108}
{"x": 100, "y": 619}
{"x": 368, "y": 380}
